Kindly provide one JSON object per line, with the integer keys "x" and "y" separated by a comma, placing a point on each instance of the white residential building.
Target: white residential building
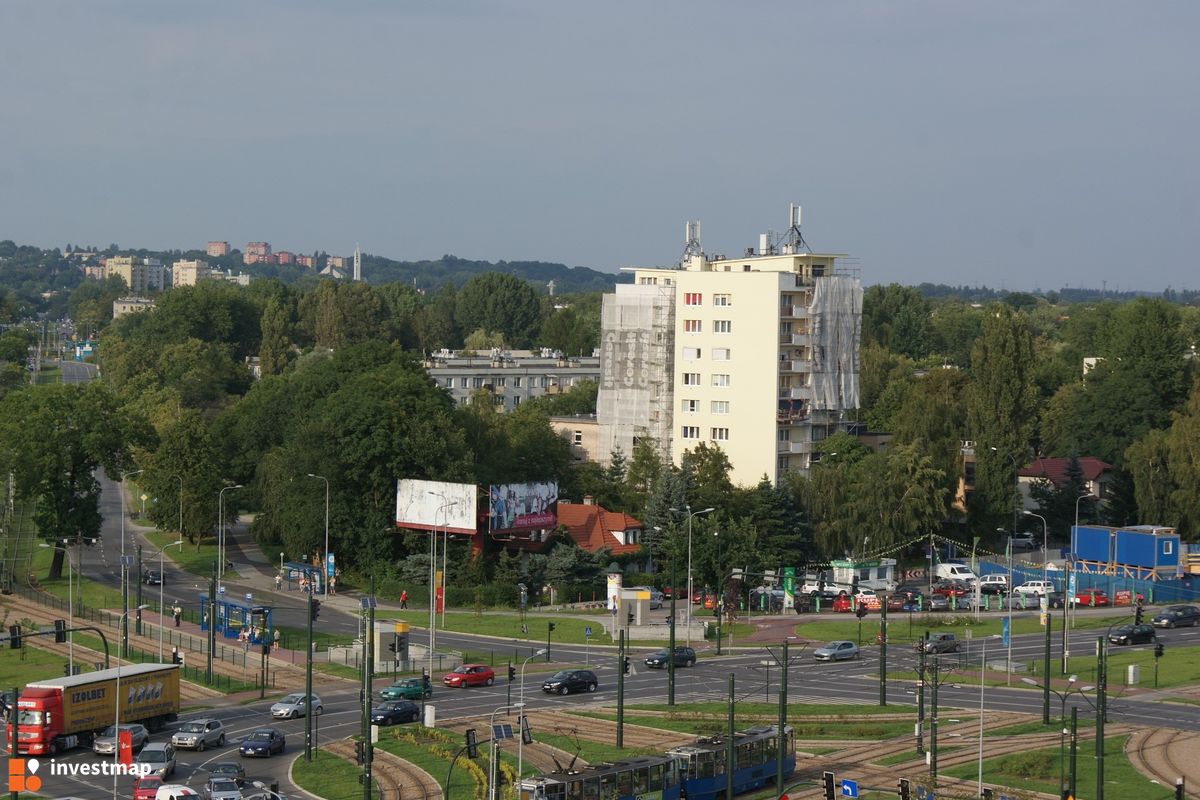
{"x": 141, "y": 275}
{"x": 189, "y": 273}
{"x": 757, "y": 355}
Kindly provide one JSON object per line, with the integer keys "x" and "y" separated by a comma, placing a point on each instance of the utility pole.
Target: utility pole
{"x": 729, "y": 740}
{"x": 671, "y": 643}
{"x": 141, "y": 582}
{"x": 308, "y": 657}
{"x": 368, "y": 603}
{"x": 921, "y": 694}
{"x": 1046, "y": 672}
{"x": 782, "y": 740}
{"x": 1101, "y": 711}
{"x": 1074, "y": 739}
{"x": 883, "y": 651}
{"x": 211, "y": 611}
{"x": 620, "y": 690}
{"x": 933, "y": 721}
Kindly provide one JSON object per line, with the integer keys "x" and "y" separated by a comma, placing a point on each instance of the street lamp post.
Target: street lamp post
{"x": 70, "y": 601}
{"x": 496, "y": 747}
{"x": 161, "y": 581}
{"x": 221, "y": 532}
{"x": 325, "y": 564}
{"x": 124, "y": 568}
{"x": 982, "y": 684}
{"x": 1045, "y": 545}
{"x": 117, "y": 715}
{"x": 1071, "y": 564}
{"x": 521, "y": 715}
{"x": 690, "y": 514}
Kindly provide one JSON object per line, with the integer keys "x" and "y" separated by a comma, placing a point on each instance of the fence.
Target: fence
{"x": 1172, "y": 590}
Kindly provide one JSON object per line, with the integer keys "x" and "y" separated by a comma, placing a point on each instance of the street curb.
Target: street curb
{"x": 297, "y": 786}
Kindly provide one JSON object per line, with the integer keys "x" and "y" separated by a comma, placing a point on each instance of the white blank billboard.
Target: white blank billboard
{"x": 430, "y": 505}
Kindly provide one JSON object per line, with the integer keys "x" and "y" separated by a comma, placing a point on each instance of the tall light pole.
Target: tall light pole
{"x": 221, "y": 533}
{"x": 70, "y": 601}
{"x": 325, "y": 563}
{"x": 117, "y": 715}
{"x": 982, "y": 669}
{"x": 161, "y": 581}
{"x": 124, "y": 568}
{"x": 496, "y": 746}
{"x": 1045, "y": 545}
{"x": 690, "y": 515}
{"x": 1067, "y": 604}
{"x": 521, "y": 715}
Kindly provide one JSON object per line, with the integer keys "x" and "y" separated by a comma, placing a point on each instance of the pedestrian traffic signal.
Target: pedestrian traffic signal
{"x": 472, "y": 746}
{"x": 360, "y": 753}
{"x": 1158, "y": 650}
{"x": 827, "y": 780}
{"x": 60, "y": 631}
{"x": 905, "y": 789}
{"x": 314, "y": 607}
{"x": 14, "y": 636}
{"x": 512, "y": 673}
{"x": 1137, "y": 616}
{"x": 625, "y": 665}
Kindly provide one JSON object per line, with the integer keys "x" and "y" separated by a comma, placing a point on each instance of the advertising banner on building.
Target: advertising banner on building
{"x": 435, "y": 505}
{"x": 523, "y": 506}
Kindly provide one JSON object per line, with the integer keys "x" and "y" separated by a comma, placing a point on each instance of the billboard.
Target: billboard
{"x": 435, "y": 505}
{"x": 522, "y": 506}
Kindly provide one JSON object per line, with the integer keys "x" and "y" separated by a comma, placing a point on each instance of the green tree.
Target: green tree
{"x": 502, "y": 303}
{"x": 276, "y": 338}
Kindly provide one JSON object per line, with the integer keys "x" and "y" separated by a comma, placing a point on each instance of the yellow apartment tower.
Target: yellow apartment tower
{"x": 757, "y": 355}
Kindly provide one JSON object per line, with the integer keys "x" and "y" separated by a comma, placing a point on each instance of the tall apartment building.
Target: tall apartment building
{"x": 257, "y": 252}
{"x": 758, "y": 355}
{"x": 283, "y": 257}
{"x": 141, "y": 275}
{"x": 189, "y": 273}
{"x": 306, "y": 261}
{"x": 215, "y": 249}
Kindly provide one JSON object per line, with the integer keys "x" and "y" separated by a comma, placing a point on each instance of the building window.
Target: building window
{"x": 462, "y": 382}
{"x": 516, "y": 401}
{"x": 784, "y": 434}
{"x": 693, "y": 299}
{"x": 1168, "y": 547}
{"x": 692, "y": 326}
{"x": 644, "y": 281}
{"x": 720, "y": 434}
{"x": 578, "y": 437}
{"x": 721, "y": 379}
{"x": 690, "y": 432}
{"x": 720, "y": 354}
{"x": 720, "y": 406}
{"x": 691, "y": 379}
{"x": 498, "y": 400}
{"x": 721, "y": 300}
{"x": 517, "y": 381}
{"x": 722, "y": 326}
{"x": 691, "y": 353}
{"x": 689, "y": 406}
{"x": 449, "y": 383}
{"x": 781, "y": 463}
{"x": 500, "y": 381}
{"x": 477, "y": 383}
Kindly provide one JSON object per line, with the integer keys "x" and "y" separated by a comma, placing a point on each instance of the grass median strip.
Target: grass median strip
{"x": 804, "y": 729}
{"x": 328, "y": 776}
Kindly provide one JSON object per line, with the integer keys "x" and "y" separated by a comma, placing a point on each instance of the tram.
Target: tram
{"x": 691, "y": 772}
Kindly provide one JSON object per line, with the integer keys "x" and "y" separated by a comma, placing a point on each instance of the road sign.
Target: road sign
{"x": 1004, "y": 631}
{"x": 849, "y": 788}
{"x": 126, "y": 561}
{"x": 588, "y": 631}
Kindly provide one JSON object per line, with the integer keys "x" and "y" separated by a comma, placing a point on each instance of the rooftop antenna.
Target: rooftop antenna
{"x": 691, "y": 242}
{"x": 793, "y": 240}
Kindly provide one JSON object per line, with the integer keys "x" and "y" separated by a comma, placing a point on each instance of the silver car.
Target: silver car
{"x": 836, "y": 651}
{"x": 222, "y": 789}
{"x": 106, "y": 743}
{"x": 199, "y": 734}
{"x": 294, "y": 705}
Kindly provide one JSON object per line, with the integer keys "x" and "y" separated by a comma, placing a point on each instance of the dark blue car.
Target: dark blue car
{"x": 264, "y": 742}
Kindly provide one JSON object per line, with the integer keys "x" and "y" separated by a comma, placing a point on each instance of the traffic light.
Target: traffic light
{"x": 625, "y": 665}
{"x": 905, "y": 789}
{"x": 360, "y": 753}
{"x": 14, "y": 636}
{"x": 512, "y": 673}
{"x": 1158, "y": 650}
{"x": 526, "y": 734}
{"x": 392, "y": 645}
{"x": 861, "y": 611}
{"x": 472, "y": 746}
{"x": 60, "y": 631}
{"x": 550, "y": 627}
{"x": 827, "y": 780}
{"x": 1137, "y": 615}
{"x": 314, "y": 607}
{"x": 66, "y": 670}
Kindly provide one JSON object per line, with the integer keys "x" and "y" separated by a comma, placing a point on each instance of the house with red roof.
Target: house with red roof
{"x": 1096, "y": 475}
{"x": 592, "y": 527}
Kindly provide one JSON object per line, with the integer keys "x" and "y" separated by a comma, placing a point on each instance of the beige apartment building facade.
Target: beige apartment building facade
{"x": 757, "y": 355}
{"x": 189, "y": 273}
{"x": 141, "y": 275}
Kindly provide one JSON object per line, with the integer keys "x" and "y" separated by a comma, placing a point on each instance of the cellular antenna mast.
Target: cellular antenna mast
{"x": 691, "y": 242}
{"x": 793, "y": 240}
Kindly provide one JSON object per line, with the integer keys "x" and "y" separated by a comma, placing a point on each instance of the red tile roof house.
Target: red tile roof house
{"x": 590, "y": 526}
{"x": 1096, "y": 475}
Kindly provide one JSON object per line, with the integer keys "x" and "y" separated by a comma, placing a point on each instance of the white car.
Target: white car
{"x": 294, "y": 705}
{"x": 1035, "y": 587}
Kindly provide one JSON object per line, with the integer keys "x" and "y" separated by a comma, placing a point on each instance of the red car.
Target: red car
{"x": 1092, "y": 597}
{"x": 146, "y": 787}
{"x": 465, "y": 675}
{"x": 951, "y": 588}
{"x": 842, "y": 603}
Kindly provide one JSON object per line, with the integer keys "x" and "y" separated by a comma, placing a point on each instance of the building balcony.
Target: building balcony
{"x": 795, "y": 393}
{"x": 801, "y": 447}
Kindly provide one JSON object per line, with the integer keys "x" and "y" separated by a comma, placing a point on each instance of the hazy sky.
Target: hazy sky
{"x": 1013, "y": 144}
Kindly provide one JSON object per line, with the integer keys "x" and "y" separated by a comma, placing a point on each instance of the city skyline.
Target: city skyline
{"x": 1019, "y": 147}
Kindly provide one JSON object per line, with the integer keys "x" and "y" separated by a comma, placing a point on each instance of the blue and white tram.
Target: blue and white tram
{"x": 642, "y": 778}
{"x": 754, "y": 758}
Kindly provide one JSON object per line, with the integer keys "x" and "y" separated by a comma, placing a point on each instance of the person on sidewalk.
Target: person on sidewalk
{"x": 177, "y": 613}
{"x": 278, "y": 582}
{"x": 333, "y": 585}
{"x": 275, "y": 645}
{"x": 404, "y": 598}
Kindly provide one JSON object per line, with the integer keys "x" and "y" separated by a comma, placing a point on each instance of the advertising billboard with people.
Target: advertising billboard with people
{"x": 522, "y": 506}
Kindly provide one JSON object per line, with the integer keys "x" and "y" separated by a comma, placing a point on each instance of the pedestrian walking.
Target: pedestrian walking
{"x": 278, "y": 582}
{"x": 404, "y": 598}
{"x": 333, "y": 585}
{"x": 177, "y": 613}
{"x": 275, "y": 644}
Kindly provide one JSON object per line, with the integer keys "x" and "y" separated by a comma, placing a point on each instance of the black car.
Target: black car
{"x": 228, "y": 769}
{"x": 1177, "y": 617}
{"x": 153, "y": 577}
{"x": 262, "y": 742}
{"x": 684, "y": 657}
{"x": 570, "y": 680}
{"x": 1056, "y": 600}
{"x": 1133, "y": 634}
{"x": 395, "y": 712}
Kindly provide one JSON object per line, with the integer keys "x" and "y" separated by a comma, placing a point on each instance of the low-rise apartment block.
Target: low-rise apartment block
{"x": 509, "y": 377}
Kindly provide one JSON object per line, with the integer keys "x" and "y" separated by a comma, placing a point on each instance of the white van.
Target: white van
{"x": 955, "y": 572}
{"x": 175, "y": 791}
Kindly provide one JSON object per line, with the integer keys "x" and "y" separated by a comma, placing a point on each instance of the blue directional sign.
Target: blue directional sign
{"x": 587, "y": 632}
{"x": 849, "y": 788}
{"x": 1004, "y": 631}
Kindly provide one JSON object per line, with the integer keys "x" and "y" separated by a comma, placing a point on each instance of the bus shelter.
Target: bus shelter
{"x": 298, "y": 574}
{"x": 235, "y": 616}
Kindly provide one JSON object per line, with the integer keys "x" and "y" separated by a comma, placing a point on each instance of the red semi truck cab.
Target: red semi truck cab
{"x": 62, "y": 713}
